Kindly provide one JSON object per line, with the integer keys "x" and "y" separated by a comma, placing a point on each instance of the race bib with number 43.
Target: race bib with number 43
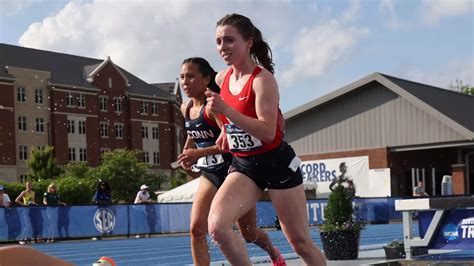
{"x": 210, "y": 160}
{"x": 239, "y": 140}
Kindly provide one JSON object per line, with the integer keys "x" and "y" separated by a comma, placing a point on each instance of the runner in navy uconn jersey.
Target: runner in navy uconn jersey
{"x": 203, "y": 129}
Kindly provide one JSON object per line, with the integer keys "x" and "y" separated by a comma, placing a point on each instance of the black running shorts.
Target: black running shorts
{"x": 218, "y": 174}
{"x": 270, "y": 169}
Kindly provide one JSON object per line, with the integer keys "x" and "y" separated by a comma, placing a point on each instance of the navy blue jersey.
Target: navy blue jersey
{"x": 204, "y": 133}
{"x": 202, "y": 130}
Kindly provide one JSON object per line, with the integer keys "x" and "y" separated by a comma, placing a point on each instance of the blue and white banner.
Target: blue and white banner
{"x": 89, "y": 221}
{"x": 455, "y": 232}
{"x": 320, "y": 173}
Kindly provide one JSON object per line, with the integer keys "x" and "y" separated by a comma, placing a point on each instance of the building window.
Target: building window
{"x": 23, "y": 178}
{"x": 156, "y": 157}
{"x": 103, "y": 103}
{"x": 154, "y": 108}
{"x": 143, "y": 107}
{"x": 104, "y": 129}
{"x": 154, "y": 133}
{"x": 21, "y": 95}
{"x": 39, "y": 96}
{"x": 71, "y": 126}
{"x": 119, "y": 131}
{"x": 40, "y": 125}
{"x": 81, "y": 126}
{"x": 118, "y": 105}
{"x": 70, "y": 100}
{"x": 145, "y": 132}
{"x": 22, "y": 123}
{"x": 71, "y": 154}
{"x": 23, "y": 152}
{"x": 104, "y": 150}
{"x": 146, "y": 157}
{"x": 82, "y": 155}
{"x": 81, "y": 101}
{"x": 110, "y": 82}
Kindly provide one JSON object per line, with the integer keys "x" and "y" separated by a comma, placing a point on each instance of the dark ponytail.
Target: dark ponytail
{"x": 206, "y": 70}
{"x": 260, "y": 51}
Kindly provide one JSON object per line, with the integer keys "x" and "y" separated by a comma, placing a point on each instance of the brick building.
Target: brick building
{"x": 408, "y": 129}
{"x": 83, "y": 107}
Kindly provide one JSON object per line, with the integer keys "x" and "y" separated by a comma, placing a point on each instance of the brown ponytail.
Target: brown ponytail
{"x": 260, "y": 51}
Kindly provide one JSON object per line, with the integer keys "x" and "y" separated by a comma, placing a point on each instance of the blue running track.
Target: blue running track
{"x": 175, "y": 250}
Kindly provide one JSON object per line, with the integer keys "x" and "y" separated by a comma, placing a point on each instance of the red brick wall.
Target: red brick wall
{"x": 136, "y": 139}
{"x": 118, "y": 90}
{"x": 167, "y": 115}
{"x": 7, "y": 126}
{"x": 59, "y": 101}
{"x": 92, "y": 138}
{"x": 135, "y": 104}
{"x": 59, "y": 138}
{"x": 459, "y": 179}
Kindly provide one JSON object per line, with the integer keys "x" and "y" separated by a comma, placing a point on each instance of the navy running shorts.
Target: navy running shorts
{"x": 270, "y": 169}
{"x": 218, "y": 174}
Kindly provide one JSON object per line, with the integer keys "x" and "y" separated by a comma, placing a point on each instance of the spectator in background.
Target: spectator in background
{"x": 52, "y": 200}
{"x": 102, "y": 194}
{"x": 26, "y": 198}
{"x": 419, "y": 190}
{"x": 4, "y": 198}
{"x": 342, "y": 178}
{"x": 102, "y": 197}
{"x": 143, "y": 196}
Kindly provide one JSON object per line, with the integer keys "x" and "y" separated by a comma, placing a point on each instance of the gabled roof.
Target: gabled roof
{"x": 167, "y": 87}
{"x": 457, "y": 106}
{"x": 90, "y": 71}
{"x": 454, "y": 109}
{"x": 68, "y": 69}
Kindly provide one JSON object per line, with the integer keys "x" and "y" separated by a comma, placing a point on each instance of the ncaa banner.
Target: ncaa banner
{"x": 455, "y": 232}
{"x": 320, "y": 173}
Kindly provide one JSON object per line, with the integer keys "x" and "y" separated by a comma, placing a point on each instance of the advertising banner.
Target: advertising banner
{"x": 321, "y": 173}
{"x": 455, "y": 232}
{"x": 90, "y": 221}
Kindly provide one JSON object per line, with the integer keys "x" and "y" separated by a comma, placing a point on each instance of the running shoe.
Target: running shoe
{"x": 280, "y": 261}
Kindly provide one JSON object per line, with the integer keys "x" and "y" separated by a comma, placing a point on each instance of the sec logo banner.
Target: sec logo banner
{"x": 104, "y": 220}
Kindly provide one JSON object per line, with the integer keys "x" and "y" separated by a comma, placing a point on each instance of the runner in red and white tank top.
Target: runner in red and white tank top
{"x": 242, "y": 143}
{"x": 262, "y": 160}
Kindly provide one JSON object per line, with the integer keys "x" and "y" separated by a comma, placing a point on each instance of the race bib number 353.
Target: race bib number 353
{"x": 239, "y": 140}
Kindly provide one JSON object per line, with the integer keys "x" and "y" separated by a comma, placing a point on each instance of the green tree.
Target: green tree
{"x": 75, "y": 191}
{"x": 459, "y": 86}
{"x": 42, "y": 164}
{"x": 122, "y": 169}
{"x": 339, "y": 207}
{"x": 155, "y": 180}
{"x": 79, "y": 170}
{"x": 178, "y": 180}
{"x": 338, "y": 212}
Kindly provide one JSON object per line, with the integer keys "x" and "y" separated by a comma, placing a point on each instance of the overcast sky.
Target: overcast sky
{"x": 318, "y": 46}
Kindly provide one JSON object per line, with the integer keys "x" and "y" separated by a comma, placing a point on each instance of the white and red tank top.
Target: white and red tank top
{"x": 242, "y": 143}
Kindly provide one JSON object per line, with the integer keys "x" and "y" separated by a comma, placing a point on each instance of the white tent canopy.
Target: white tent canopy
{"x": 183, "y": 193}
